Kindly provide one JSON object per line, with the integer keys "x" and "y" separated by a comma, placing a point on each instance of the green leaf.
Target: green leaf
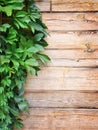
{"x": 21, "y": 91}
{"x": 31, "y": 27}
{"x": 4, "y": 59}
{"x": 15, "y": 64}
{"x": 20, "y": 23}
{"x": 38, "y": 37}
{"x": 4, "y": 69}
{"x": 37, "y": 26}
{"x": 9, "y": 8}
{"x": 23, "y": 106}
{"x": 39, "y": 47}
{"x": 44, "y": 58}
{"x": 12, "y": 36}
{"x": 9, "y": 95}
{"x": 18, "y": 99}
{"x": 33, "y": 71}
{"x": 21, "y": 14}
{"x": 4, "y": 27}
{"x": 32, "y": 49}
{"x": 14, "y": 111}
{"x": 23, "y": 42}
{"x": 31, "y": 62}
{"x": 2, "y": 115}
{"x": 19, "y": 50}
{"x": 6, "y": 81}
{"x": 44, "y": 43}
{"x": 1, "y": 90}
{"x": 18, "y": 124}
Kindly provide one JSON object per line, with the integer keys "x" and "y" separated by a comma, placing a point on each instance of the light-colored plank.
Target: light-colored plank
{"x": 74, "y": 5}
{"x": 44, "y": 5}
{"x": 74, "y": 63}
{"x": 72, "y": 54}
{"x": 61, "y": 84}
{"x": 65, "y": 72}
{"x": 72, "y": 40}
{"x": 71, "y": 21}
{"x": 61, "y": 119}
{"x": 63, "y": 99}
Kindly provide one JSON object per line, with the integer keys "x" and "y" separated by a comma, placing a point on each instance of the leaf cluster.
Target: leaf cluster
{"x": 22, "y": 41}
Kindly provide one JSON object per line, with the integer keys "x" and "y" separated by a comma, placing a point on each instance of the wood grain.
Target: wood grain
{"x": 63, "y": 99}
{"x": 44, "y": 5}
{"x": 65, "y": 72}
{"x": 72, "y": 54}
{"x": 61, "y": 119}
{"x": 61, "y": 84}
{"x": 74, "y": 5}
{"x": 71, "y": 21}
{"x": 93, "y": 63}
{"x": 72, "y": 40}
{"x": 70, "y": 80}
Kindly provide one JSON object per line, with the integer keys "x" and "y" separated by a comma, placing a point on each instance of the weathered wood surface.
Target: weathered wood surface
{"x": 71, "y": 21}
{"x": 93, "y": 63}
{"x": 61, "y": 119}
{"x": 63, "y": 99}
{"x": 66, "y": 72}
{"x": 72, "y": 40}
{"x": 64, "y": 96}
{"x": 74, "y": 5}
{"x": 61, "y": 84}
{"x": 44, "y": 5}
{"x": 73, "y": 54}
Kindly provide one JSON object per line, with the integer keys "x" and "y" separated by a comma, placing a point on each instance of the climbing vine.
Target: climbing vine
{"x": 22, "y": 42}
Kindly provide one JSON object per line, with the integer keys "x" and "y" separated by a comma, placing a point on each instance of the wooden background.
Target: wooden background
{"x": 65, "y": 94}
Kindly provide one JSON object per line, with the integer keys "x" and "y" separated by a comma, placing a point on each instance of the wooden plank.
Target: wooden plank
{"x": 93, "y": 63}
{"x": 72, "y": 40}
{"x": 65, "y": 72}
{"x": 72, "y": 54}
{"x": 44, "y": 5}
{"x": 74, "y": 5}
{"x": 61, "y": 119}
{"x": 63, "y": 99}
{"x": 61, "y": 84}
{"x": 71, "y": 21}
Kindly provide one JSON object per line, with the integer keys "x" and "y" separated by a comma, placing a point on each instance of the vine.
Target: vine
{"x": 22, "y": 34}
